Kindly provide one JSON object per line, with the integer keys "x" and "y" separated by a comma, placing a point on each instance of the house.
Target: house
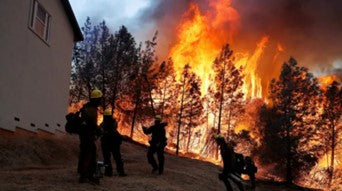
{"x": 36, "y": 42}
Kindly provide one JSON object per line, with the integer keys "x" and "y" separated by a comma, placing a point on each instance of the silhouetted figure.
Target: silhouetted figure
{"x": 157, "y": 144}
{"x": 240, "y": 164}
{"x": 229, "y": 164}
{"x": 88, "y": 134}
{"x": 250, "y": 170}
{"x": 110, "y": 142}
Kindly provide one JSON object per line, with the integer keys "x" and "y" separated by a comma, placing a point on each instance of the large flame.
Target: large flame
{"x": 201, "y": 37}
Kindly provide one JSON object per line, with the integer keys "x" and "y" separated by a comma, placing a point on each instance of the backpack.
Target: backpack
{"x": 73, "y": 123}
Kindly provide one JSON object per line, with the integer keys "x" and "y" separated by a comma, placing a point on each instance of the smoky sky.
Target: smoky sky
{"x": 309, "y": 30}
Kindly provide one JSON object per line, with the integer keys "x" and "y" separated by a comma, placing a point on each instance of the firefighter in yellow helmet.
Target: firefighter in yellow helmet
{"x": 228, "y": 157}
{"x": 157, "y": 144}
{"x": 110, "y": 144}
{"x": 89, "y": 132}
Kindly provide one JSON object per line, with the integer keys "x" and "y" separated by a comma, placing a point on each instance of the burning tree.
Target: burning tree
{"x": 330, "y": 118}
{"x": 141, "y": 83}
{"x": 190, "y": 105}
{"x": 165, "y": 94}
{"x": 293, "y": 97}
{"x": 164, "y": 78}
{"x": 211, "y": 108}
{"x": 228, "y": 81}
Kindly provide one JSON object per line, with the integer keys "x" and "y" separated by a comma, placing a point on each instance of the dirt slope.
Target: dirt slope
{"x": 31, "y": 163}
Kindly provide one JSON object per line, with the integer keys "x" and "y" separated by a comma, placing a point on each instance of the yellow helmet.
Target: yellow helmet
{"x": 158, "y": 117}
{"x": 108, "y": 112}
{"x": 96, "y": 94}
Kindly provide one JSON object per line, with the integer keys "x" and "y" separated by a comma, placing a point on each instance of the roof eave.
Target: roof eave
{"x": 78, "y": 36}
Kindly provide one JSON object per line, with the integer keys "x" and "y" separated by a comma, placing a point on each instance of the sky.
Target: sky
{"x": 115, "y": 12}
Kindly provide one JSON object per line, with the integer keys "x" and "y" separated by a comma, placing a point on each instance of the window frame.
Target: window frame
{"x": 33, "y": 19}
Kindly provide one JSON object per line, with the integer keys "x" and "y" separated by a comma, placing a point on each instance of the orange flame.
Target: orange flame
{"x": 201, "y": 37}
{"x": 325, "y": 81}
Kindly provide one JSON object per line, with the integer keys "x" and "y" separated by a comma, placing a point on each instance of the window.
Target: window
{"x": 40, "y": 20}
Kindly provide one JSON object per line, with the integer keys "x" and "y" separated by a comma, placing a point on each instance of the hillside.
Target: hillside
{"x": 40, "y": 163}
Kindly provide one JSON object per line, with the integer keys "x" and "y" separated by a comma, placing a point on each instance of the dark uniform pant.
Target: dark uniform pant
{"x": 107, "y": 151}
{"x": 87, "y": 158}
{"x": 252, "y": 179}
{"x": 233, "y": 178}
{"x": 154, "y": 148}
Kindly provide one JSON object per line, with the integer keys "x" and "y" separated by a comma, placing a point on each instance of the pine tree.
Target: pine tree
{"x": 142, "y": 84}
{"x": 104, "y": 56}
{"x": 124, "y": 57}
{"x": 294, "y": 97}
{"x": 229, "y": 95}
{"x": 191, "y": 107}
{"x": 83, "y": 73}
{"x": 330, "y": 118}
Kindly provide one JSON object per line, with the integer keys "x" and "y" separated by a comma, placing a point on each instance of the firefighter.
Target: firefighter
{"x": 110, "y": 144}
{"x": 229, "y": 164}
{"x": 240, "y": 163}
{"x": 157, "y": 144}
{"x": 88, "y": 135}
{"x": 250, "y": 170}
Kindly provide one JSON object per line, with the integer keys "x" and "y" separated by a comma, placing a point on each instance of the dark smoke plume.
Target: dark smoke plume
{"x": 309, "y": 30}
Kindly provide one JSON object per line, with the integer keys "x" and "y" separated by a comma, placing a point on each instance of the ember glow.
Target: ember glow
{"x": 325, "y": 81}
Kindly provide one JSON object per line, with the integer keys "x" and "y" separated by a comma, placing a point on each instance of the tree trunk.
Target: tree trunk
{"x": 137, "y": 102}
{"x": 332, "y": 158}
{"x": 221, "y": 99}
{"x": 112, "y": 104}
{"x": 89, "y": 90}
{"x": 150, "y": 95}
{"x": 163, "y": 102}
{"x": 220, "y": 106}
{"x": 190, "y": 126}
{"x": 289, "y": 177}
{"x": 103, "y": 88}
{"x": 229, "y": 118}
{"x": 216, "y": 149}
{"x": 180, "y": 116}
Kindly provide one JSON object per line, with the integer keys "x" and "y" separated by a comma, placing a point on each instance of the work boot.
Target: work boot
{"x": 154, "y": 170}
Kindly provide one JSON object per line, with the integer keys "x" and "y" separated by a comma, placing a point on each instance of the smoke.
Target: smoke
{"x": 308, "y": 30}
{"x": 165, "y": 16}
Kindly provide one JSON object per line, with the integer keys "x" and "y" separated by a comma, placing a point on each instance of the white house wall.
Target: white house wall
{"x": 34, "y": 76}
